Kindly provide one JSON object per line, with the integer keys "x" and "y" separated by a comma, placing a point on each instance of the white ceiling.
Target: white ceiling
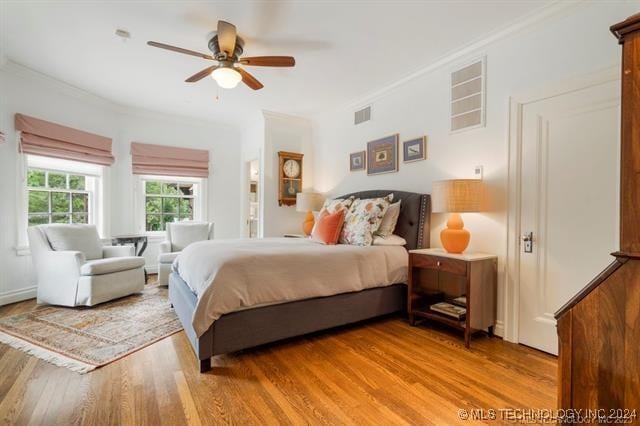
{"x": 343, "y": 50}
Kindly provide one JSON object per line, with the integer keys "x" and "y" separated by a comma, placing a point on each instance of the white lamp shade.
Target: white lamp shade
{"x": 309, "y": 201}
{"x": 456, "y": 196}
{"x": 226, "y": 77}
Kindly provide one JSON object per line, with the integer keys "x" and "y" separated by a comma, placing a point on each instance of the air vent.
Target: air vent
{"x": 468, "y": 96}
{"x": 363, "y": 115}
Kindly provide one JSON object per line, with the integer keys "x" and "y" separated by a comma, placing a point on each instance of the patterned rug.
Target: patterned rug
{"x": 83, "y": 339}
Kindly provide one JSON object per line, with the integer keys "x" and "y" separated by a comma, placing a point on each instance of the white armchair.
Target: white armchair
{"x": 74, "y": 269}
{"x": 179, "y": 235}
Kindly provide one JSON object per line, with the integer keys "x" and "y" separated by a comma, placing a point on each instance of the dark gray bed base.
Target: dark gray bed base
{"x": 257, "y": 326}
{"x": 252, "y": 327}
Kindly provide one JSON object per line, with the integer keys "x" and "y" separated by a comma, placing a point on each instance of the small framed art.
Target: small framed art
{"x": 382, "y": 155}
{"x": 357, "y": 161}
{"x": 414, "y": 149}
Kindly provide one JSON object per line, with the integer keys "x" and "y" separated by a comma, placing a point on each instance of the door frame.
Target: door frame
{"x": 517, "y": 103}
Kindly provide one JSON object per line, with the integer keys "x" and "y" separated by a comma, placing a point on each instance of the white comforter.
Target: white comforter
{"x": 231, "y": 275}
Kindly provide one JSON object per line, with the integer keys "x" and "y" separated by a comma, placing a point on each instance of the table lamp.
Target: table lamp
{"x": 308, "y": 202}
{"x": 456, "y": 196}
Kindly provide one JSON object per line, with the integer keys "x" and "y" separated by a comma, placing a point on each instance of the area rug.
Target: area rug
{"x": 83, "y": 339}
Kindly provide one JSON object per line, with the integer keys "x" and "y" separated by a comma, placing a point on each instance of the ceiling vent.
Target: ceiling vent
{"x": 362, "y": 115}
{"x": 468, "y": 96}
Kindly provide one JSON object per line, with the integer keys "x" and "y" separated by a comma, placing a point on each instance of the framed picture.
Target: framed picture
{"x": 382, "y": 155}
{"x": 414, "y": 149}
{"x": 357, "y": 161}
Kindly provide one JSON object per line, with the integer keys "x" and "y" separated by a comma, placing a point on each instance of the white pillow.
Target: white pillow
{"x": 391, "y": 240}
{"x": 389, "y": 221}
{"x": 82, "y": 238}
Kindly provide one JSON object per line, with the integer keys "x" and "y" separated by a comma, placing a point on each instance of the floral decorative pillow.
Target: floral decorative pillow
{"x": 333, "y": 206}
{"x": 363, "y": 219}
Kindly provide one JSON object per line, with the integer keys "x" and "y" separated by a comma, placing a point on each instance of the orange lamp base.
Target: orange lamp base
{"x": 308, "y": 223}
{"x": 454, "y": 237}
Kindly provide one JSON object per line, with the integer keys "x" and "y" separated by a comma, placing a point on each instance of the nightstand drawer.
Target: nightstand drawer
{"x": 454, "y": 266}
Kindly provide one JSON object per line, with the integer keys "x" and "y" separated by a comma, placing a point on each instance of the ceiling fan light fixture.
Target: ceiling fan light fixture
{"x": 226, "y": 77}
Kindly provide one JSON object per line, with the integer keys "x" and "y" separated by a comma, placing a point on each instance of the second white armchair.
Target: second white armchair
{"x": 179, "y": 236}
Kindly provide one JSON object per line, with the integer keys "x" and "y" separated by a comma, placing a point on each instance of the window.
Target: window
{"x": 53, "y": 190}
{"x": 168, "y": 201}
{"x": 58, "y": 197}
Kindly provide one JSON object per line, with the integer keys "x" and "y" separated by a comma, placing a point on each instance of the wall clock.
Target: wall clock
{"x": 290, "y": 181}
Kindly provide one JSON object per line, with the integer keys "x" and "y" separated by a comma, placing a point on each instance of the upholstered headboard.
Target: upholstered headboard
{"x": 415, "y": 215}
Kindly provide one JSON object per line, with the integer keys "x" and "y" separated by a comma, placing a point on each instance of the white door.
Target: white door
{"x": 569, "y": 202}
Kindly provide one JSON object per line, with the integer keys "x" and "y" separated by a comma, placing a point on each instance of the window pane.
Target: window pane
{"x": 154, "y": 223}
{"x": 153, "y": 205}
{"x": 57, "y": 180}
{"x": 152, "y": 187}
{"x": 38, "y": 219}
{"x": 79, "y": 218}
{"x": 169, "y": 218}
{"x": 186, "y": 189}
{"x": 76, "y": 182}
{"x": 186, "y": 208}
{"x": 38, "y": 202}
{"x": 80, "y": 203}
{"x": 170, "y": 188}
{"x": 170, "y": 205}
{"x": 60, "y": 218}
{"x": 35, "y": 178}
{"x": 60, "y": 202}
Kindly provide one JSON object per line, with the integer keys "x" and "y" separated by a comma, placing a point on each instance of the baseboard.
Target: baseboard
{"x": 19, "y": 295}
{"x": 499, "y": 329}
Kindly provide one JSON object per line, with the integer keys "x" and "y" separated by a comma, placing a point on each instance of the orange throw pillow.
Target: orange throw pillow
{"x": 328, "y": 227}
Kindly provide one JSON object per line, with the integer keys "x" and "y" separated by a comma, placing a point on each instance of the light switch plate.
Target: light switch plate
{"x": 478, "y": 172}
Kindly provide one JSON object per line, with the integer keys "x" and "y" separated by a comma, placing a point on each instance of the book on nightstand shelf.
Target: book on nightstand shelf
{"x": 460, "y": 301}
{"x": 449, "y": 310}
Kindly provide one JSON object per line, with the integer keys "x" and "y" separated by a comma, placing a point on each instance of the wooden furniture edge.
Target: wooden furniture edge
{"x": 599, "y": 279}
{"x": 621, "y": 29}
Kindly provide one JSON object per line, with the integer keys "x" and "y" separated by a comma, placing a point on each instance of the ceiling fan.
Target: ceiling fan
{"x": 227, "y": 48}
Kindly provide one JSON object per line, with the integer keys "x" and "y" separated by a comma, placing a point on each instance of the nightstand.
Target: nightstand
{"x": 436, "y": 276}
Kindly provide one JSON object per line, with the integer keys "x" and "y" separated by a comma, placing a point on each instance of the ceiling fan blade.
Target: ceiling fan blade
{"x": 226, "y": 37}
{"x": 250, "y": 80}
{"x": 201, "y": 74}
{"x": 269, "y": 61}
{"x": 179, "y": 50}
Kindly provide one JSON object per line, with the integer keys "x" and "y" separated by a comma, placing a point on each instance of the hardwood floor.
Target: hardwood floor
{"x": 380, "y": 372}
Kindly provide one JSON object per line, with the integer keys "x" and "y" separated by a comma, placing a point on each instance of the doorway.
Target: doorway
{"x": 564, "y": 221}
{"x": 253, "y": 219}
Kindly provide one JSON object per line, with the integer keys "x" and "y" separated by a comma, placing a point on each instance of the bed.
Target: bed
{"x": 256, "y": 325}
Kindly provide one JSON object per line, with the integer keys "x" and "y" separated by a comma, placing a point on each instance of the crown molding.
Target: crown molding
{"x": 22, "y": 71}
{"x": 283, "y": 116}
{"x": 554, "y": 10}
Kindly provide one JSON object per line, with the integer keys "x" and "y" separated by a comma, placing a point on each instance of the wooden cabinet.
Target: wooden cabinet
{"x": 599, "y": 328}
{"x": 436, "y": 276}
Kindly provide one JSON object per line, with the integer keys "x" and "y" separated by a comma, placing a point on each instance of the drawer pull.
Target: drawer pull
{"x": 438, "y": 263}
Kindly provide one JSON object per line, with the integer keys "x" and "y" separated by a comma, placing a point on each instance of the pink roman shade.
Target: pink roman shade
{"x": 41, "y": 137}
{"x": 148, "y": 159}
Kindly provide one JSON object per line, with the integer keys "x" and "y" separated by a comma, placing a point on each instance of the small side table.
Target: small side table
{"x": 139, "y": 245}
{"x": 437, "y": 276}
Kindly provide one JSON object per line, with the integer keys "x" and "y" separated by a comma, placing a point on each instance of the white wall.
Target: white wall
{"x": 30, "y": 93}
{"x": 571, "y": 44}
{"x": 284, "y": 133}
